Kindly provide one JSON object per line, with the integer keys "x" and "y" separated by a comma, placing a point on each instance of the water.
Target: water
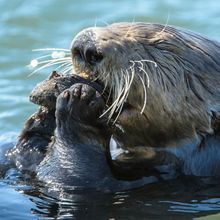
{"x": 27, "y": 25}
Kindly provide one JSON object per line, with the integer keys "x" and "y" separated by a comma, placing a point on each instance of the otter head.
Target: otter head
{"x": 166, "y": 74}
{"x": 112, "y": 56}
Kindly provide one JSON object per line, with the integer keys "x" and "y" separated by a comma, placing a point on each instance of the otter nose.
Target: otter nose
{"x": 87, "y": 54}
{"x": 92, "y": 56}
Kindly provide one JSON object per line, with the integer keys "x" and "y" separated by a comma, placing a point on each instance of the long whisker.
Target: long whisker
{"x": 129, "y": 29}
{"x": 118, "y": 91}
{"x": 106, "y": 79}
{"x": 114, "y": 104}
{"x": 142, "y": 68}
{"x": 145, "y": 94}
{"x": 123, "y": 98}
{"x": 104, "y": 22}
{"x": 121, "y": 91}
{"x": 52, "y": 63}
{"x": 64, "y": 65}
{"x": 51, "y": 49}
{"x": 126, "y": 89}
{"x": 67, "y": 69}
{"x": 128, "y": 83}
{"x": 110, "y": 93}
{"x": 146, "y": 74}
{"x": 118, "y": 114}
{"x": 141, "y": 62}
{"x": 95, "y": 22}
{"x": 41, "y": 57}
{"x": 54, "y": 60}
{"x": 166, "y": 24}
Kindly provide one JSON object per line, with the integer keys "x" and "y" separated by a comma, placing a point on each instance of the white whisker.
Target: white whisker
{"x": 118, "y": 114}
{"x": 145, "y": 94}
{"x": 146, "y": 74}
{"x": 52, "y": 63}
{"x": 104, "y": 22}
{"x": 129, "y": 29}
{"x": 41, "y": 57}
{"x": 95, "y": 22}
{"x": 64, "y": 65}
{"x": 118, "y": 91}
{"x": 165, "y": 26}
{"x": 124, "y": 97}
{"x": 115, "y": 98}
{"x": 52, "y": 49}
{"x": 67, "y": 69}
{"x": 125, "y": 91}
{"x": 55, "y": 60}
{"x": 120, "y": 84}
{"x": 141, "y": 62}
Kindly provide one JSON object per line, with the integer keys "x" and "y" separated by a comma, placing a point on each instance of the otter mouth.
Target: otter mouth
{"x": 86, "y": 74}
{"x": 99, "y": 85}
{"x": 92, "y": 77}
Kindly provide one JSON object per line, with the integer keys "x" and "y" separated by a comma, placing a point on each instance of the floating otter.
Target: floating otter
{"x": 165, "y": 87}
{"x": 163, "y": 100}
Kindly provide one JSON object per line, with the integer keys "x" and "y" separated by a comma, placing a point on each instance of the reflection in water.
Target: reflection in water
{"x": 184, "y": 198}
{"x": 195, "y": 207}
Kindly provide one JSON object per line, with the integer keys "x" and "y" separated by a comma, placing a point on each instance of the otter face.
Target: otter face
{"x": 126, "y": 58}
{"x": 112, "y": 56}
{"x": 80, "y": 103}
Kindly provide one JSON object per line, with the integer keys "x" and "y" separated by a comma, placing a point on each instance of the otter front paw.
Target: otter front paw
{"x": 80, "y": 102}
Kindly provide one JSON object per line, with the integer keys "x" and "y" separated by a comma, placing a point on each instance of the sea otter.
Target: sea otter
{"x": 162, "y": 106}
{"x": 164, "y": 83}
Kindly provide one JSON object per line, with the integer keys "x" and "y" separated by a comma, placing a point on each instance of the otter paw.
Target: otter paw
{"x": 81, "y": 102}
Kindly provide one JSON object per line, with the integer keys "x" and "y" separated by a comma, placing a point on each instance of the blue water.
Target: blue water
{"x": 26, "y": 25}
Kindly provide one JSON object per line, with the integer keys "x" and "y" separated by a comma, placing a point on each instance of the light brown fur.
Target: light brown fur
{"x": 168, "y": 77}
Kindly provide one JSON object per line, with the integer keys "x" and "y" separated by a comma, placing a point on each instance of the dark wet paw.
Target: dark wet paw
{"x": 81, "y": 102}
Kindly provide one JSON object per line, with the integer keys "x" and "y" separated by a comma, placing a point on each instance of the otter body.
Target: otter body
{"x": 162, "y": 110}
{"x": 165, "y": 87}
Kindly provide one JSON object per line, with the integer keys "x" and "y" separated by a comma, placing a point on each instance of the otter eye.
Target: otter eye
{"x": 92, "y": 56}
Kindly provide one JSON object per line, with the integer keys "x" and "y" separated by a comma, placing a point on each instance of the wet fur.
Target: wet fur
{"x": 167, "y": 76}
{"x": 164, "y": 86}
